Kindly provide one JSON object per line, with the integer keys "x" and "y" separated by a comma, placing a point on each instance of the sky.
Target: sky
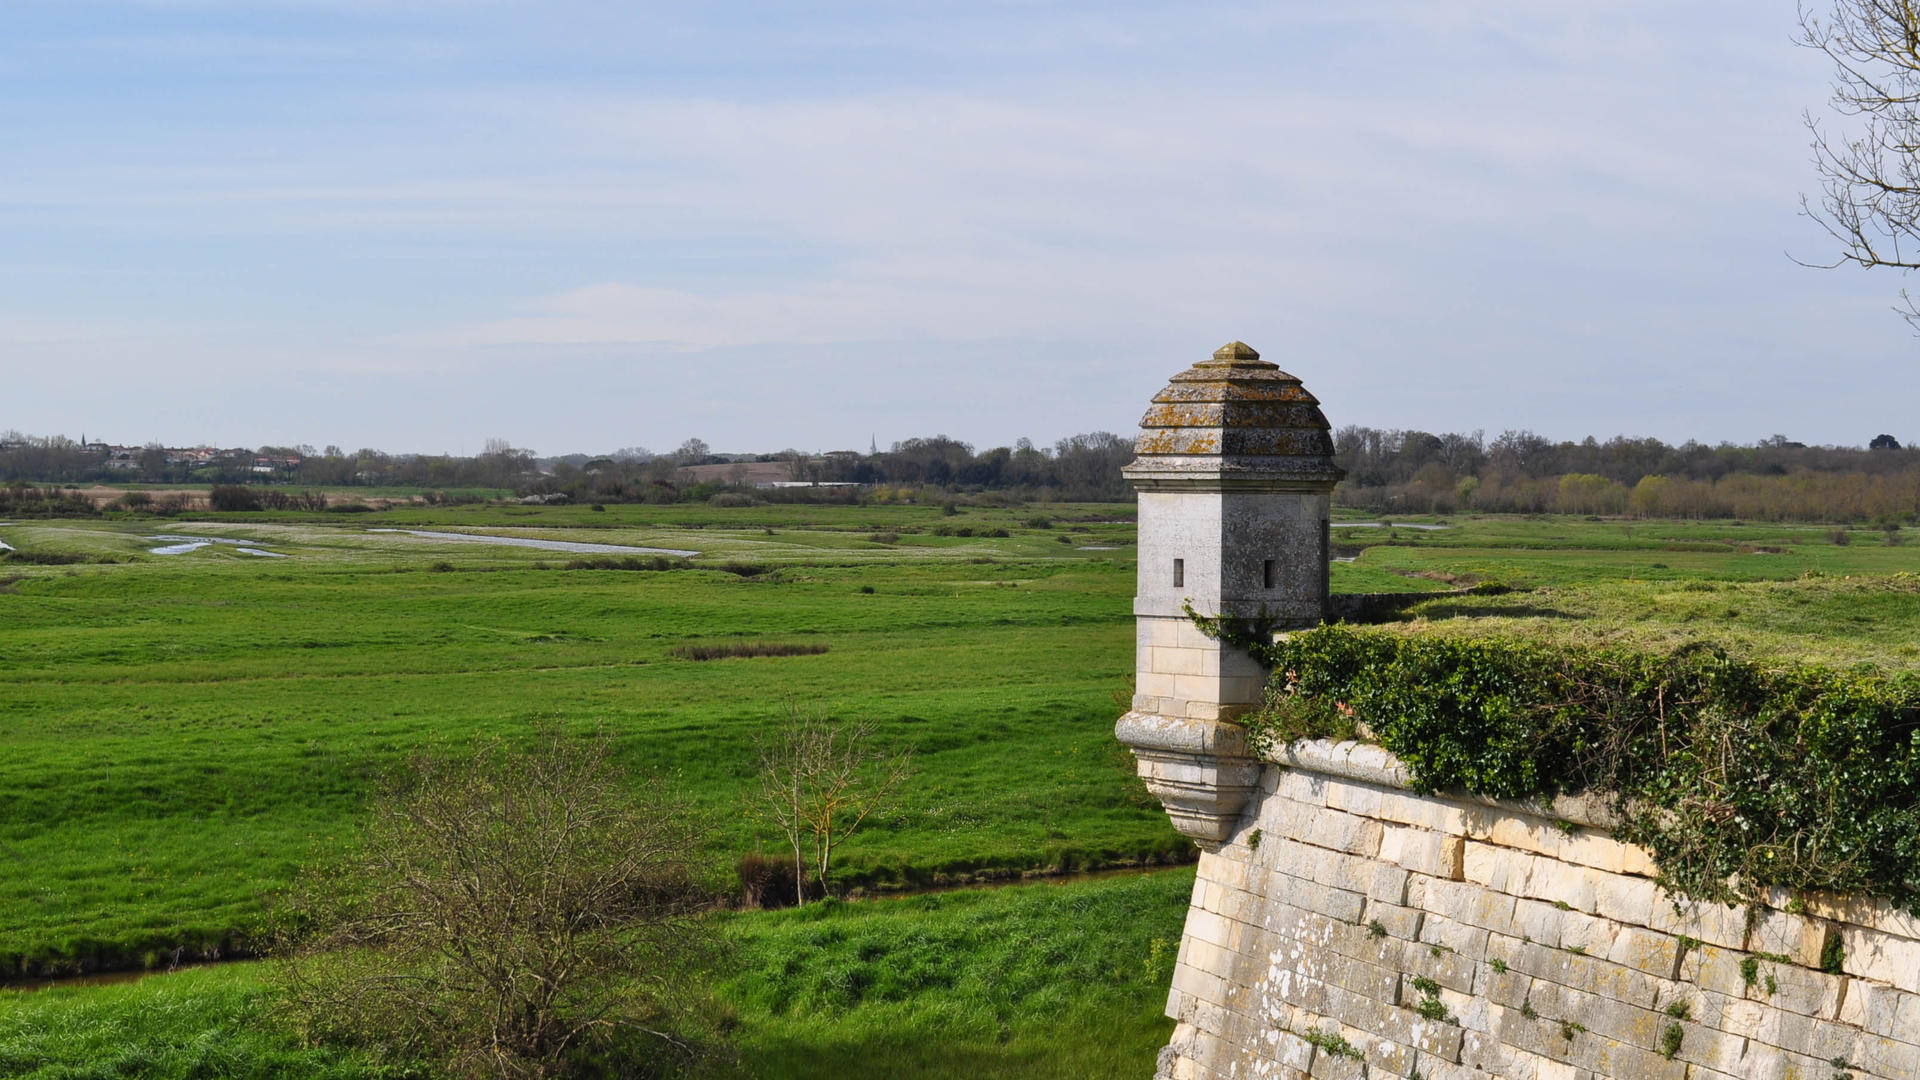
{"x": 416, "y": 225}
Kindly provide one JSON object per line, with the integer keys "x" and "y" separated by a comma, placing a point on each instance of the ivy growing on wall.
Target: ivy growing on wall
{"x": 1735, "y": 776}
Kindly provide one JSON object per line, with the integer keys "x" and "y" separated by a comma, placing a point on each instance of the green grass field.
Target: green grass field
{"x": 1771, "y": 592}
{"x": 180, "y": 732}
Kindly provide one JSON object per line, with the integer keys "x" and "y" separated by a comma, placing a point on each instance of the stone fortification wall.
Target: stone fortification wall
{"x": 1342, "y": 907}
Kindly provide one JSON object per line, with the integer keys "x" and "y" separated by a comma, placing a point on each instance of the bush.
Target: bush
{"x": 20, "y": 500}
{"x": 766, "y": 883}
{"x": 230, "y": 497}
{"x": 1736, "y": 777}
{"x": 509, "y": 913}
{"x": 628, "y": 562}
{"x": 1839, "y": 537}
{"x": 51, "y": 558}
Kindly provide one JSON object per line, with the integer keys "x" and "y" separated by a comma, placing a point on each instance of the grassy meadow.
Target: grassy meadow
{"x": 1781, "y": 592}
{"x": 179, "y": 732}
{"x": 183, "y": 730}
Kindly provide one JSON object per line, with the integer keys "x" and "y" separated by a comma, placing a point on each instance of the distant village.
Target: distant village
{"x": 134, "y": 458}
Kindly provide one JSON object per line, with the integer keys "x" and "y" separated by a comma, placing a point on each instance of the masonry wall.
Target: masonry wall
{"x": 1343, "y": 904}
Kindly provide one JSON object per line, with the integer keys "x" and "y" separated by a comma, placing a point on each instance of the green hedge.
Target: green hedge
{"x": 1733, "y": 775}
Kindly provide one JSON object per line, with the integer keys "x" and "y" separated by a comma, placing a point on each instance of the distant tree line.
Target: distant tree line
{"x": 1775, "y": 479}
{"x": 61, "y": 460}
{"x": 1406, "y": 471}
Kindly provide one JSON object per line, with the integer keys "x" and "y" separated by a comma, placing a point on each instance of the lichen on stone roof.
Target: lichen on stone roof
{"x": 1236, "y": 413}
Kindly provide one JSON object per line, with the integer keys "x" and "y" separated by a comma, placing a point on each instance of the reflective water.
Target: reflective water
{"x": 180, "y": 545}
{"x": 574, "y": 546}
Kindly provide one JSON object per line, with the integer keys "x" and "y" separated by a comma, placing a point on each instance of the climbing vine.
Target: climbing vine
{"x": 1734, "y": 775}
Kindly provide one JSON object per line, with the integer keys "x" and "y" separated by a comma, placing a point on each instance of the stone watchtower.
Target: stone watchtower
{"x": 1234, "y": 469}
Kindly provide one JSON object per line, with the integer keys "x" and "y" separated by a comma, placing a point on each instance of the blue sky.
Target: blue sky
{"x": 418, "y": 224}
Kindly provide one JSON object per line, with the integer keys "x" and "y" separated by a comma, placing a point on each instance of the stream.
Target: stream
{"x": 575, "y": 546}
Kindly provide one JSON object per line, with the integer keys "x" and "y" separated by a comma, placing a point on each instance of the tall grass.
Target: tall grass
{"x": 729, "y": 650}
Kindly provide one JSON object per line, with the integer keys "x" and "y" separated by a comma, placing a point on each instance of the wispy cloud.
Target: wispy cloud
{"x": 1456, "y": 214}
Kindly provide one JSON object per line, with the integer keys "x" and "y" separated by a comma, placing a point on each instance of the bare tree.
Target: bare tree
{"x": 501, "y": 914}
{"x": 820, "y": 779}
{"x": 1870, "y": 175}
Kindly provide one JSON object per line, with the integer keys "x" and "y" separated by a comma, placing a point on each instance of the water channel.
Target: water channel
{"x": 575, "y": 546}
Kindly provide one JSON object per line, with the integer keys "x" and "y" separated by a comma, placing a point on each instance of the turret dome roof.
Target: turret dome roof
{"x": 1235, "y": 414}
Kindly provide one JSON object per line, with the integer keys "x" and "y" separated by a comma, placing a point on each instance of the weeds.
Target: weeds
{"x": 1670, "y": 1039}
{"x": 732, "y": 650}
{"x": 1332, "y": 1042}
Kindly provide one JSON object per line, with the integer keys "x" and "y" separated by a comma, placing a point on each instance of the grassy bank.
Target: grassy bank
{"x": 1053, "y": 980}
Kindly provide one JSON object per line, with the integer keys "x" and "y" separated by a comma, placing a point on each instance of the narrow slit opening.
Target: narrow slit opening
{"x": 1266, "y": 574}
{"x": 1179, "y": 573}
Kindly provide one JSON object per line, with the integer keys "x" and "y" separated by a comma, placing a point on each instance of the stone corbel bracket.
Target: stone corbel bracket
{"x": 1202, "y": 771}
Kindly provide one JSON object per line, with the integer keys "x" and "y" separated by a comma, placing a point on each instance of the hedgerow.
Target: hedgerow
{"x": 1734, "y": 775}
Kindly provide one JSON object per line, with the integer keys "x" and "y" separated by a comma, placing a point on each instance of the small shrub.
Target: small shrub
{"x": 866, "y": 590}
{"x": 1833, "y": 957}
{"x": 232, "y": 497}
{"x": 1332, "y": 1042}
{"x": 46, "y": 558}
{"x": 441, "y": 566}
{"x": 1670, "y": 1041}
{"x": 739, "y": 649}
{"x": 506, "y": 914}
{"x": 1839, "y": 537}
{"x": 629, "y": 562}
{"x": 764, "y": 882}
{"x": 1750, "y": 970}
{"x": 1680, "y": 1010}
{"x": 1498, "y": 965}
{"x": 1040, "y": 522}
{"x": 1376, "y": 929}
{"x": 598, "y": 508}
